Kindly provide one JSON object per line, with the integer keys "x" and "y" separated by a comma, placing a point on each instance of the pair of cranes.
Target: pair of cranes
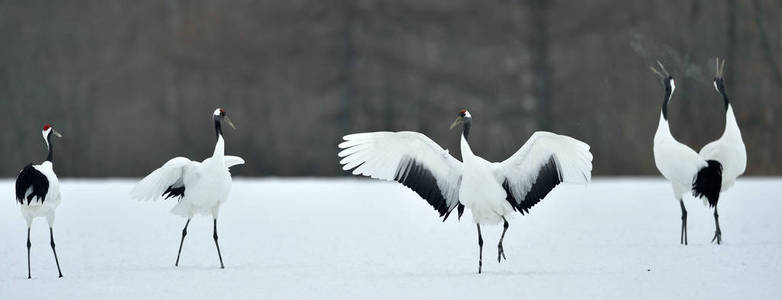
{"x": 200, "y": 186}
{"x": 706, "y": 173}
{"x": 492, "y": 191}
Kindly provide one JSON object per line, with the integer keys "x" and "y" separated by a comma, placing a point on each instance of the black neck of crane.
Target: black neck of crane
{"x": 218, "y": 126}
{"x": 50, "y": 157}
{"x": 668, "y": 92}
{"x": 727, "y": 101}
{"x": 721, "y": 88}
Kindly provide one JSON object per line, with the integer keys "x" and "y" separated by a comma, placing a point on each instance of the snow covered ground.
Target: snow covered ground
{"x": 351, "y": 238}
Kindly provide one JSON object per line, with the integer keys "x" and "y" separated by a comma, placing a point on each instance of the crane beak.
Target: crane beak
{"x": 228, "y": 121}
{"x": 458, "y": 121}
{"x": 57, "y": 134}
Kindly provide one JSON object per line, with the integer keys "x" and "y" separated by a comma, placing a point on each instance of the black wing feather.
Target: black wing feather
{"x": 548, "y": 177}
{"x": 415, "y": 176}
{"x": 30, "y": 177}
{"x": 174, "y": 192}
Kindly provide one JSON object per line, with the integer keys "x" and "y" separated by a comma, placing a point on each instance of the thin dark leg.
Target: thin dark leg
{"x": 184, "y": 233}
{"x": 718, "y": 232}
{"x": 500, "y": 251}
{"x": 28, "y": 253}
{"x": 684, "y": 223}
{"x": 51, "y": 238}
{"x": 480, "y": 249}
{"x": 218, "y": 245}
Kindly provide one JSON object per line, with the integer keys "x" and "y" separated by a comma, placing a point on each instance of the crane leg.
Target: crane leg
{"x": 51, "y": 242}
{"x": 218, "y": 245}
{"x": 500, "y": 251}
{"x": 28, "y": 253}
{"x": 683, "y": 239}
{"x": 184, "y": 233}
{"x": 717, "y": 232}
{"x": 480, "y": 249}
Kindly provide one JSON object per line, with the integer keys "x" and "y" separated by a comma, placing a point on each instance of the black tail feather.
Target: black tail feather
{"x": 708, "y": 183}
{"x": 30, "y": 177}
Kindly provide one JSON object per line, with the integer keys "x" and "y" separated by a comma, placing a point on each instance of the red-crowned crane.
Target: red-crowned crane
{"x": 492, "y": 191}
{"x": 201, "y": 187}
{"x": 728, "y": 150}
{"x": 38, "y": 193}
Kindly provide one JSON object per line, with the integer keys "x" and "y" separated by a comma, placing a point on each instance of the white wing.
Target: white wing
{"x": 677, "y": 162}
{"x": 410, "y": 158}
{"x": 545, "y": 160}
{"x": 161, "y": 181}
{"x": 231, "y": 161}
{"x": 731, "y": 153}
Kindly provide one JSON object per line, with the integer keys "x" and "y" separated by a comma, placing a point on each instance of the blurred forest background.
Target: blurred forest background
{"x": 131, "y": 84}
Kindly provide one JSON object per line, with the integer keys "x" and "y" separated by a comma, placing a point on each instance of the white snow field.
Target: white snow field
{"x": 617, "y": 238}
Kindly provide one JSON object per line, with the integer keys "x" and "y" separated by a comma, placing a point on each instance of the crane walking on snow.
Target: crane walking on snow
{"x": 492, "y": 191}
{"x": 201, "y": 187}
{"x": 38, "y": 194}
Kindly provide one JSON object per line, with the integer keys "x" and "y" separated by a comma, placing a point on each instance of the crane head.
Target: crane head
{"x": 463, "y": 114}
{"x": 48, "y": 129}
{"x": 221, "y": 115}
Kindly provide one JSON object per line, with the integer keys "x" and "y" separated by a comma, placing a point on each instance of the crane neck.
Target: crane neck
{"x": 668, "y": 95}
{"x": 466, "y": 128}
{"x": 218, "y": 127}
{"x": 731, "y": 126}
{"x": 465, "y": 149}
{"x": 726, "y": 100}
{"x": 220, "y": 146}
{"x": 50, "y": 156}
{"x": 465, "y": 146}
{"x": 663, "y": 129}
{"x": 721, "y": 88}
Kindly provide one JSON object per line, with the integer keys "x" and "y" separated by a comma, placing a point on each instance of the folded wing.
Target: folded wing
{"x": 543, "y": 162}
{"x": 410, "y": 158}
